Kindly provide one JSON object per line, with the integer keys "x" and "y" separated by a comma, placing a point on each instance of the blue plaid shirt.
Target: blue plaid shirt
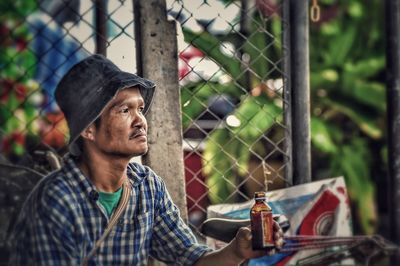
{"x": 62, "y": 219}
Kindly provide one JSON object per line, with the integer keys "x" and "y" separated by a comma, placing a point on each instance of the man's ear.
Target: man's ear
{"x": 89, "y": 133}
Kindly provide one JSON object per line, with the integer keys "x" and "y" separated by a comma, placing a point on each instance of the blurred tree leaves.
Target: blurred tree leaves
{"x": 347, "y": 98}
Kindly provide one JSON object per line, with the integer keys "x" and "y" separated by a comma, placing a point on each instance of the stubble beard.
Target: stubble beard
{"x": 126, "y": 154}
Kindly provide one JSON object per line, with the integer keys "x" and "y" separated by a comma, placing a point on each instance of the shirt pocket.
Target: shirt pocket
{"x": 130, "y": 239}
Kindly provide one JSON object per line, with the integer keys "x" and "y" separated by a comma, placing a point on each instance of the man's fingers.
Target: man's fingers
{"x": 278, "y": 236}
{"x": 276, "y": 226}
{"x": 244, "y": 236}
{"x": 244, "y": 233}
{"x": 278, "y": 229}
{"x": 279, "y": 243}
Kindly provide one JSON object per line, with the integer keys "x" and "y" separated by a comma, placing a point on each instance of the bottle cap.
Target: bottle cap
{"x": 259, "y": 195}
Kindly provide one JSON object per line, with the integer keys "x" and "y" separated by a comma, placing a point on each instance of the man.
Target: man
{"x": 69, "y": 210}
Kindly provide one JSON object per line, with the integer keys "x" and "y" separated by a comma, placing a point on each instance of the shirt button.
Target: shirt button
{"x": 120, "y": 222}
{"x": 94, "y": 195}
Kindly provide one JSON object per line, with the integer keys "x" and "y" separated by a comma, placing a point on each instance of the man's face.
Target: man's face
{"x": 123, "y": 128}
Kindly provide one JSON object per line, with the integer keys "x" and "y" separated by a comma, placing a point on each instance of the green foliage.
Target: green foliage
{"x": 194, "y": 98}
{"x": 17, "y": 8}
{"x": 227, "y": 152}
{"x": 321, "y": 136}
{"x": 360, "y": 116}
{"x": 348, "y": 99}
{"x": 210, "y": 45}
{"x": 18, "y": 110}
{"x": 350, "y": 47}
{"x": 219, "y": 162}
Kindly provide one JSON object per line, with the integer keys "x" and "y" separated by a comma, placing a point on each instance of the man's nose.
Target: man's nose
{"x": 138, "y": 120}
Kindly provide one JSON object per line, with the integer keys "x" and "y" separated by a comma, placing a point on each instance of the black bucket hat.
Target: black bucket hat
{"x": 86, "y": 89}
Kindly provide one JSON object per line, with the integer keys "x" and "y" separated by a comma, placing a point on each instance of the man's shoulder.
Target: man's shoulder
{"x": 140, "y": 173}
{"x": 139, "y": 168}
{"x": 56, "y": 185}
{"x": 56, "y": 179}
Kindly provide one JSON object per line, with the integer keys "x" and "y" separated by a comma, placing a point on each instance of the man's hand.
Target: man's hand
{"x": 240, "y": 249}
{"x": 242, "y": 245}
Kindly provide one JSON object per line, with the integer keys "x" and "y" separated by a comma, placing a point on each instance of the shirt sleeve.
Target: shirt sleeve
{"x": 43, "y": 232}
{"x": 173, "y": 242}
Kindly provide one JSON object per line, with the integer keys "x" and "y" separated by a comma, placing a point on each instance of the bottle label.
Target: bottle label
{"x": 267, "y": 228}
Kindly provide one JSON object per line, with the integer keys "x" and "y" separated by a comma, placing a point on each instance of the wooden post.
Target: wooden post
{"x": 157, "y": 60}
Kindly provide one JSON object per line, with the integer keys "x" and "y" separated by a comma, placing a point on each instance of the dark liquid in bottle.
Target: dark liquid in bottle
{"x": 261, "y": 223}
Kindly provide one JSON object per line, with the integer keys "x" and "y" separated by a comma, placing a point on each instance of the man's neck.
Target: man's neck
{"x": 107, "y": 174}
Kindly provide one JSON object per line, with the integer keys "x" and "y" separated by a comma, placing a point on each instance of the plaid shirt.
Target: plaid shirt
{"x": 62, "y": 219}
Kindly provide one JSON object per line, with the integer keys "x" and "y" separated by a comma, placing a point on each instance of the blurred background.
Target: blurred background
{"x": 231, "y": 57}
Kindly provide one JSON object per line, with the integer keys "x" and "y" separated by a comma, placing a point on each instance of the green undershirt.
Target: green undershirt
{"x": 109, "y": 200}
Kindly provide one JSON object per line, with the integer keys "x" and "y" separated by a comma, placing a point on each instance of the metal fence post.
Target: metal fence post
{"x": 300, "y": 87}
{"x": 393, "y": 111}
{"x": 101, "y": 26}
{"x": 287, "y": 91}
{"x": 157, "y": 46}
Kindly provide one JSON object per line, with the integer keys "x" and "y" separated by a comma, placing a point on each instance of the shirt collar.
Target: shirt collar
{"x": 84, "y": 183}
{"x": 135, "y": 174}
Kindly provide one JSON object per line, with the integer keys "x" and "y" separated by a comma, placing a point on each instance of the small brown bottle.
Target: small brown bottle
{"x": 261, "y": 223}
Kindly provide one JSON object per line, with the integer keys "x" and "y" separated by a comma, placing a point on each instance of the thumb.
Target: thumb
{"x": 243, "y": 234}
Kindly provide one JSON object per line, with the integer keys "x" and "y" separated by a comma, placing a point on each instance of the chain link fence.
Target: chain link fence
{"x": 231, "y": 79}
{"x": 40, "y": 41}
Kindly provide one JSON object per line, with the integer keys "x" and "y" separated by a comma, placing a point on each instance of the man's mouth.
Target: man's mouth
{"x": 138, "y": 133}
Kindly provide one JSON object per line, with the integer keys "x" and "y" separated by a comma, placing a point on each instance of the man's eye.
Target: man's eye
{"x": 124, "y": 110}
{"x": 141, "y": 109}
